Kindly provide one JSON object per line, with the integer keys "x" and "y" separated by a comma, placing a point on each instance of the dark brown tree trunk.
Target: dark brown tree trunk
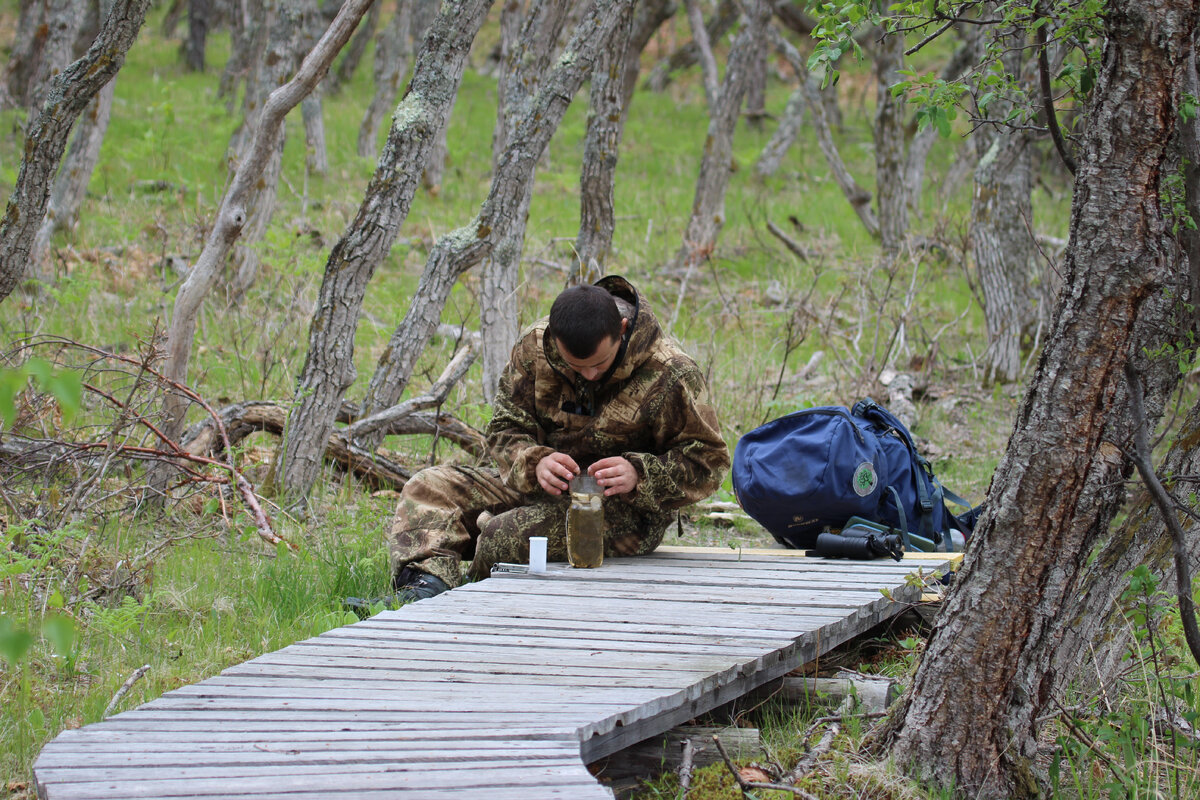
{"x": 458, "y": 251}
{"x": 1101, "y": 630}
{"x": 601, "y": 148}
{"x": 329, "y": 366}
{"x": 199, "y": 17}
{"x": 69, "y": 94}
{"x": 393, "y": 49}
{"x": 995, "y": 658}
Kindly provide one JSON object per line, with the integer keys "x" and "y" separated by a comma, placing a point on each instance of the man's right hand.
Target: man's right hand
{"x": 555, "y": 471}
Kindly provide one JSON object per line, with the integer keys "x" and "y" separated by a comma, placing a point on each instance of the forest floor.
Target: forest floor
{"x": 99, "y": 582}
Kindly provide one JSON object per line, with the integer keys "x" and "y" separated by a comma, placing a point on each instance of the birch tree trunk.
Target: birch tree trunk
{"x": 423, "y": 13}
{"x": 965, "y": 55}
{"x": 61, "y": 23}
{"x": 890, "y": 187}
{"x": 248, "y": 37}
{"x": 70, "y": 185}
{"x": 708, "y": 206}
{"x": 329, "y": 366}
{"x": 354, "y": 53}
{"x": 524, "y": 66}
{"x": 785, "y": 133}
{"x": 1001, "y": 233}
{"x": 1005, "y": 253}
{"x": 316, "y": 155}
{"x": 69, "y": 94}
{"x": 994, "y": 661}
{"x": 393, "y": 49}
{"x": 459, "y": 250}
{"x": 858, "y": 197}
{"x": 601, "y": 148}
{"x": 704, "y": 54}
{"x": 648, "y": 17}
{"x": 724, "y": 18}
{"x": 289, "y": 23}
{"x": 232, "y": 214}
{"x": 20, "y": 74}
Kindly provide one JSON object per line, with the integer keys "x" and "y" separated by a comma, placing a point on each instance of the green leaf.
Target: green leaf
{"x": 67, "y": 388}
{"x": 1087, "y": 80}
{"x": 14, "y": 642}
{"x": 11, "y": 381}
{"x": 60, "y": 631}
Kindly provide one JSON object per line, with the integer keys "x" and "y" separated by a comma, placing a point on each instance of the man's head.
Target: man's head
{"x": 587, "y": 327}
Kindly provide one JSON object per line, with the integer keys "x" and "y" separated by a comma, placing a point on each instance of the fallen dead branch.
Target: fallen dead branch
{"x": 124, "y": 690}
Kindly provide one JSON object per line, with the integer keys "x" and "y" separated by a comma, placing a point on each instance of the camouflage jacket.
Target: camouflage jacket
{"x": 654, "y": 410}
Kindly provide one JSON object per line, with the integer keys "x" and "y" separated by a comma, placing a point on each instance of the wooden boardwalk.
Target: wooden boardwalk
{"x": 501, "y": 689}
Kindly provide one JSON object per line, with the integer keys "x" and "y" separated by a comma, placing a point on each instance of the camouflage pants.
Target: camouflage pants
{"x": 437, "y": 524}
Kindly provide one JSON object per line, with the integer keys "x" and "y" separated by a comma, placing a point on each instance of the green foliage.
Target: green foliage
{"x": 65, "y": 386}
{"x": 1140, "y": 742}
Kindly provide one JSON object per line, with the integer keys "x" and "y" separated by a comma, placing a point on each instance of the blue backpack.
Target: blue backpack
{"x": 814, "y": 470}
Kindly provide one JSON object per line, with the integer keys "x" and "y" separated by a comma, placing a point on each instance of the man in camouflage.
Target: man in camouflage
{"x": 596, "y": 386}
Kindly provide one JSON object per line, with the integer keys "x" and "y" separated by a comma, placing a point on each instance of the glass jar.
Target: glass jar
{"x": 585, "y": 523}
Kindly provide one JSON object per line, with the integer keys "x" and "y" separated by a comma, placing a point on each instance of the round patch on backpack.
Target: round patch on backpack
{"x": 865, "y": 479}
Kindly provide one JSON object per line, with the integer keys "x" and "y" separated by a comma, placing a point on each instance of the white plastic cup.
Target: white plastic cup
{"x": 537, "y": 553}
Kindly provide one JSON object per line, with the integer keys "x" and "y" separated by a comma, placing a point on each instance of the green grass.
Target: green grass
{"x": 191, "y": 590}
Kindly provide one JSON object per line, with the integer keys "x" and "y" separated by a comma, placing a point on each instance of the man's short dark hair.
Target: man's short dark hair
{"x": 582, "y": 317}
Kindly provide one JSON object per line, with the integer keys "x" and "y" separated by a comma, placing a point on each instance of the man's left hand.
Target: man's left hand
{"x": 616, "y": 474}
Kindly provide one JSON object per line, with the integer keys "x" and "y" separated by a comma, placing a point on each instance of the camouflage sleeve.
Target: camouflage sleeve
{"x": 514, "y": 437}
{"x": 693, "y": 458}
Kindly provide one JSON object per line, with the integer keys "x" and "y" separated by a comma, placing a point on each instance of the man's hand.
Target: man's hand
{"x": 555, "y": 471}
{"x": 616, "y": 474}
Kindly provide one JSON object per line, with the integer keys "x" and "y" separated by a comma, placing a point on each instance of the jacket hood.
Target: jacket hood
{"x": 640, "y": 336}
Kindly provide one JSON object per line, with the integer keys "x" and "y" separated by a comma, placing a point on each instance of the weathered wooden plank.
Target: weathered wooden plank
{"x": 411, "y": 780}
{"x": 101, "y": 738}
{"x": 584, "y": 640}
{"x": 445, "y": 671}
{"x": 63, "y": 766}
{"x": 572, "y": 666}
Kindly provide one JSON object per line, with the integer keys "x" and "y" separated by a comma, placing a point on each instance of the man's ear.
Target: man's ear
{"x": 624, "y": 326}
